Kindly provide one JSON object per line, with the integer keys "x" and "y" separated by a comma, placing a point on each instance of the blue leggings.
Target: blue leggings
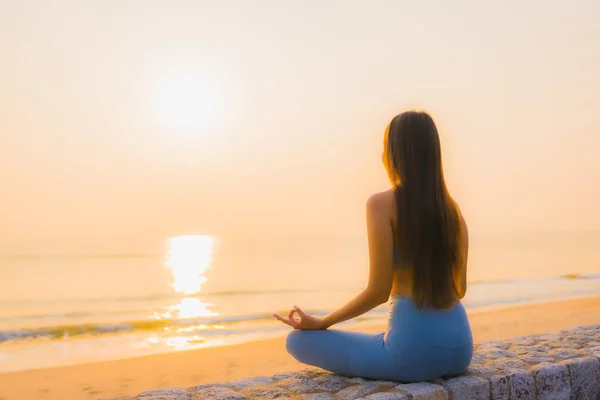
{"x": 419, "y": 345}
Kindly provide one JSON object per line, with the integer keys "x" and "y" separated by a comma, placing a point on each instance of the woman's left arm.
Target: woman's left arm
{"x": 381, "y": 243}
{"x": 381, "y": 253}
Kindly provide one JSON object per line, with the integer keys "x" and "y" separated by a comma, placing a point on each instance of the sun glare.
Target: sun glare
{"x": 188, "y": 259}
{"x": 189, "y": 102}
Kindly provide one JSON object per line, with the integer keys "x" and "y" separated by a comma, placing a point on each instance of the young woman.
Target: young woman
{"x": 418, "y": 245}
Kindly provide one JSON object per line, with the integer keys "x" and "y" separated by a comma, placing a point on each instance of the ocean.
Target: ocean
{"x": 64, "y": 307}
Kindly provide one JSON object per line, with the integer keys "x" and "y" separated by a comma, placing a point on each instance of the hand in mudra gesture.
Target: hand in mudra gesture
{"x": 303, "y": 322}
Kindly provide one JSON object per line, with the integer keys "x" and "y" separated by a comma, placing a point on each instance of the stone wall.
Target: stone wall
{"x": 558, "y": 366}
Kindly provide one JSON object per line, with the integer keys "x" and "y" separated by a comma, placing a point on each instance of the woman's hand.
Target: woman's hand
{"x": 305, "y": 321}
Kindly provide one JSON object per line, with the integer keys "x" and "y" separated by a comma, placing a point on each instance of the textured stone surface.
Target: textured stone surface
{"x": 424, "y": 391}
{"x": 499, "y": 389}
{"x": 216, "y": 393}
{"x": 318, "y": 396}
{"x": 176, "y": 393}
{"x": 536, "y": 359}
{"x": 298, "y": 385}
{"x": 521, "y": 385}
{"x": 468, "y": 387}
{"x": 552, "y": 382}
{"x": 479, "y": 370}
{"x": 331, "y": 383}
{"x": 387, "y": 396}
{"x": 584, "y": 374}
{"x": 356, "y": 391}
{"x": 248, "y": 382}
{"x": 266, "y": 392}
{"x": 507, "y": 363}
{"x": 122, "y": 398}
{"x": 556, "y": 366}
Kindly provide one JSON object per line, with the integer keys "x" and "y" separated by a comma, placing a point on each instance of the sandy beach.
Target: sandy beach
{"x": 187, "y": 368}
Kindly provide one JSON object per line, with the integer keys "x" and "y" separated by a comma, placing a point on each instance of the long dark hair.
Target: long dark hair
{"x": 428, "y": 230}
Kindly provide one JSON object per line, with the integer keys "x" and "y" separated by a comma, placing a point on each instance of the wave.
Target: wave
{"x": 67, "y": 331}
{"x": 580, "y": 276}
{"x": 217, "y": 322}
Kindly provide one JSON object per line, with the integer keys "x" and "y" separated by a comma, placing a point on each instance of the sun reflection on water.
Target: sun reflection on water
{"x": 188, "y": 259}
{"x": 191, "y": 307}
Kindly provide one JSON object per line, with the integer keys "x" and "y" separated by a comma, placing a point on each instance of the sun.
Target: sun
{"x": 189, "y": 102}
{"x": 188, "y": 259}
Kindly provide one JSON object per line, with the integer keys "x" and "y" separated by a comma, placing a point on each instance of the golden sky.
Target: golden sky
{"x": 133, "y": 121}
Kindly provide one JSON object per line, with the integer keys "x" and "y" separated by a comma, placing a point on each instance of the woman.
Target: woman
{"x": 418, "y": 245}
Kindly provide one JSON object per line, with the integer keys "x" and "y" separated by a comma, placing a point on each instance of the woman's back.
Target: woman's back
{"x": 428, "y": 228}
{"x": 402, "y": 267}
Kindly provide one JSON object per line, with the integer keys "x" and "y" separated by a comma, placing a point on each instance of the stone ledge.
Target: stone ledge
{"x": 557, "y": 366}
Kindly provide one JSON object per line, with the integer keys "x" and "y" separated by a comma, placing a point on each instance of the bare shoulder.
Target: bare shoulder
{"x": 382, "y": 203}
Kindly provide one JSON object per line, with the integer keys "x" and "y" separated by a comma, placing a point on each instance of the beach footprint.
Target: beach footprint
{"x": 91, "y": 391}
{"x": 125, "y": 383}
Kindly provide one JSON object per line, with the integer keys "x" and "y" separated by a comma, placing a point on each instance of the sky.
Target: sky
{"x": 134, "y": 121}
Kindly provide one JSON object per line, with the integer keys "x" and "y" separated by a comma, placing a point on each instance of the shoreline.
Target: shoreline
{"x": 263, "y": 357}
{"x": 511, "y": 305}
{"x": 356, "y": 325}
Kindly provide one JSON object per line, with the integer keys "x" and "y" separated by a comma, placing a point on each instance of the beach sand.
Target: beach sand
{"x": 188, "y": 368}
